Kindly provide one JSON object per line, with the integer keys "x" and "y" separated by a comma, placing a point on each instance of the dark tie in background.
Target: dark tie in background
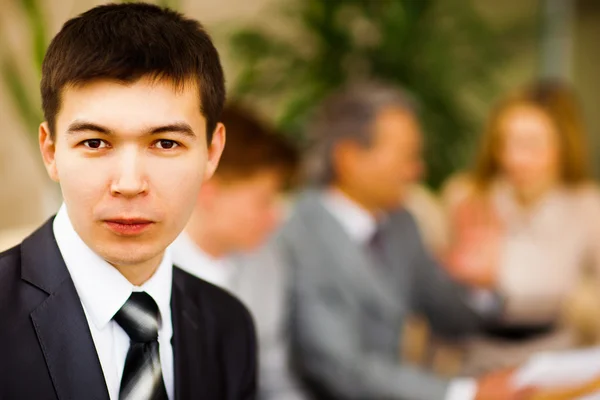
{"x": 142, "y": 375}
{"x": 376, "y": 247}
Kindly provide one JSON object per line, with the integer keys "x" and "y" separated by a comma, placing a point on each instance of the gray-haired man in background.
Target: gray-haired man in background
{"x": 359, "y": 267}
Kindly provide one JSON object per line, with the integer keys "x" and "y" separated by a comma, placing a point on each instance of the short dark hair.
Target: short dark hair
{"x": 254, "y": 146}
{"x": 125, "y": 42}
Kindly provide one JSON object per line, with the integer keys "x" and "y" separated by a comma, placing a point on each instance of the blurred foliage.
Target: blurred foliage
{"x": 174, "y": 4}
{"x": 26, "y": 101}
{"x": 436, "y": 49}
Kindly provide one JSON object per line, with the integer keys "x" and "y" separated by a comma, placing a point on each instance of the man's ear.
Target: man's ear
{"x": 344, "y": 155}
{"x": 48, "y": 149}
{"x": 215, "y": 149}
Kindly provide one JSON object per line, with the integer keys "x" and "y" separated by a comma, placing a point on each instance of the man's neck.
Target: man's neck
{"x": 139, "y": 274}
{"x": 530, "y": 196}
{"x": 357, "y": 199}
{"x": 203, "y": 237}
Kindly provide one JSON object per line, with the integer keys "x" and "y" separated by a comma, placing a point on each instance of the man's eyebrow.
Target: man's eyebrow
{"x": 83, "y": 126}
{"x": 178, "y": 127}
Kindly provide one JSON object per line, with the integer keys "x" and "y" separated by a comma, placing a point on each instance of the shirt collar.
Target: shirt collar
{"x": 188, "y": 256}
{"x": 358, "y": 223}
{"x": 101, "y": 287}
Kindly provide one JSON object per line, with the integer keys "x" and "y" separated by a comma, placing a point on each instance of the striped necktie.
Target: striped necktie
{"x": 142, "y": 376}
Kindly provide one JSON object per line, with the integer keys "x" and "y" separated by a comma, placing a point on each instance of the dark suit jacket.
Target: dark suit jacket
{"x": 47, "y": 351}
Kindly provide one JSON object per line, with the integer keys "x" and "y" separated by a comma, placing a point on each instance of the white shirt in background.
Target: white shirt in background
{"x": 259, "y": 280}
{"x": 193, "y": 260}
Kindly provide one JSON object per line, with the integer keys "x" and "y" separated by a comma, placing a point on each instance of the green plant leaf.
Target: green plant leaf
{"x": 38, "y": 28}
{"x": 172, "y": 4}
{"x": 29, "y": 112}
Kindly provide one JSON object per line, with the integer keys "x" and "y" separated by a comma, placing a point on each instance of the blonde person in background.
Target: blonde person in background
{"x": 525, "y": 224}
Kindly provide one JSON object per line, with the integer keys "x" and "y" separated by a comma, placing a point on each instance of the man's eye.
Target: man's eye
{"x": 95, "y": 143}
{"x": 166, "y": 144}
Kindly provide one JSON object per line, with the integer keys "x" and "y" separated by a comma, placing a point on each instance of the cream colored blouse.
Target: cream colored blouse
{"x": 546, "y": 249}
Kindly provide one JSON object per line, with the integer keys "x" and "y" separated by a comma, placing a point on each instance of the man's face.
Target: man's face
{"x": 130, "y": 159}
{"x": 245, "y": 210}
{"x": 383, "y": 171}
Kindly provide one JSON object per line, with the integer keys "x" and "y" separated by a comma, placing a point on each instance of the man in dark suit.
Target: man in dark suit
{"x": 91, "y": 306}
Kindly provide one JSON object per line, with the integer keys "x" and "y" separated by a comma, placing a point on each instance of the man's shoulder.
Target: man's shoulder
{"x": 307, "y": 215}
{"x": 10, "y": 262}
{"x": 11, "y": 254}
{"x": 221, "y": 304}
{"x": 403, "y": 220}
{"x": 404, "y": 229}
{"x": 29, "y": 242}
{"x": 17, "y": 297}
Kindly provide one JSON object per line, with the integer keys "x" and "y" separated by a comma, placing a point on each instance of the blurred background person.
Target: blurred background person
{"x": 359, "y": 268}
{"x": 526, "y": 223}
{"x": 423, "y": 204}
{"x": 236, "y": 212}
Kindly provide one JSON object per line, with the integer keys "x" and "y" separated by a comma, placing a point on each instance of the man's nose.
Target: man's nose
{"x": 130, "y": 179}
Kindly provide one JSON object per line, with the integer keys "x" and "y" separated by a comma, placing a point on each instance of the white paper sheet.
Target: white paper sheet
{"x": 559, "y": 369}
{"x": 595, "y": 396}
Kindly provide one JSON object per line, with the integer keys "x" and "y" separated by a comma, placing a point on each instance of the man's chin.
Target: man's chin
{"x": 129, "y": 254}
{"x": 393, "y": 203}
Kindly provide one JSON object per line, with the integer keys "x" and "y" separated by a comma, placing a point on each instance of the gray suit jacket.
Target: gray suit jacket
{"x": 348, "y": 313}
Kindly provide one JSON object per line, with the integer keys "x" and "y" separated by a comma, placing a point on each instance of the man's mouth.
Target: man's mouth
{"x": 128, "y": 226}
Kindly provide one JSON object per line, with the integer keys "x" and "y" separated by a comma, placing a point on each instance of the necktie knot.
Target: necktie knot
{"x": 139, "y": 318}
{"x": 376, "y": 240}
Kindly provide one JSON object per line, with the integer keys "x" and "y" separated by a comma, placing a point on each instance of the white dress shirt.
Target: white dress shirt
{"x": 103, "y": 291}
{"x": 360, "y": 225}
{"x": 190, "y": 258}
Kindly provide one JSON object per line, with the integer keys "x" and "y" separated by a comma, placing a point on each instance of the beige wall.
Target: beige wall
{"x": 22, "y": 183}
{"x": 586, "y": 59}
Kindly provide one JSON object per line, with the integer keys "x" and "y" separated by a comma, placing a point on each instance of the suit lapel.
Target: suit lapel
{"x": 400, "y": 244}
{"x": 347, "y": 255}
{"x": 60, "y": 323}
{"x": 190, "y": 376}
